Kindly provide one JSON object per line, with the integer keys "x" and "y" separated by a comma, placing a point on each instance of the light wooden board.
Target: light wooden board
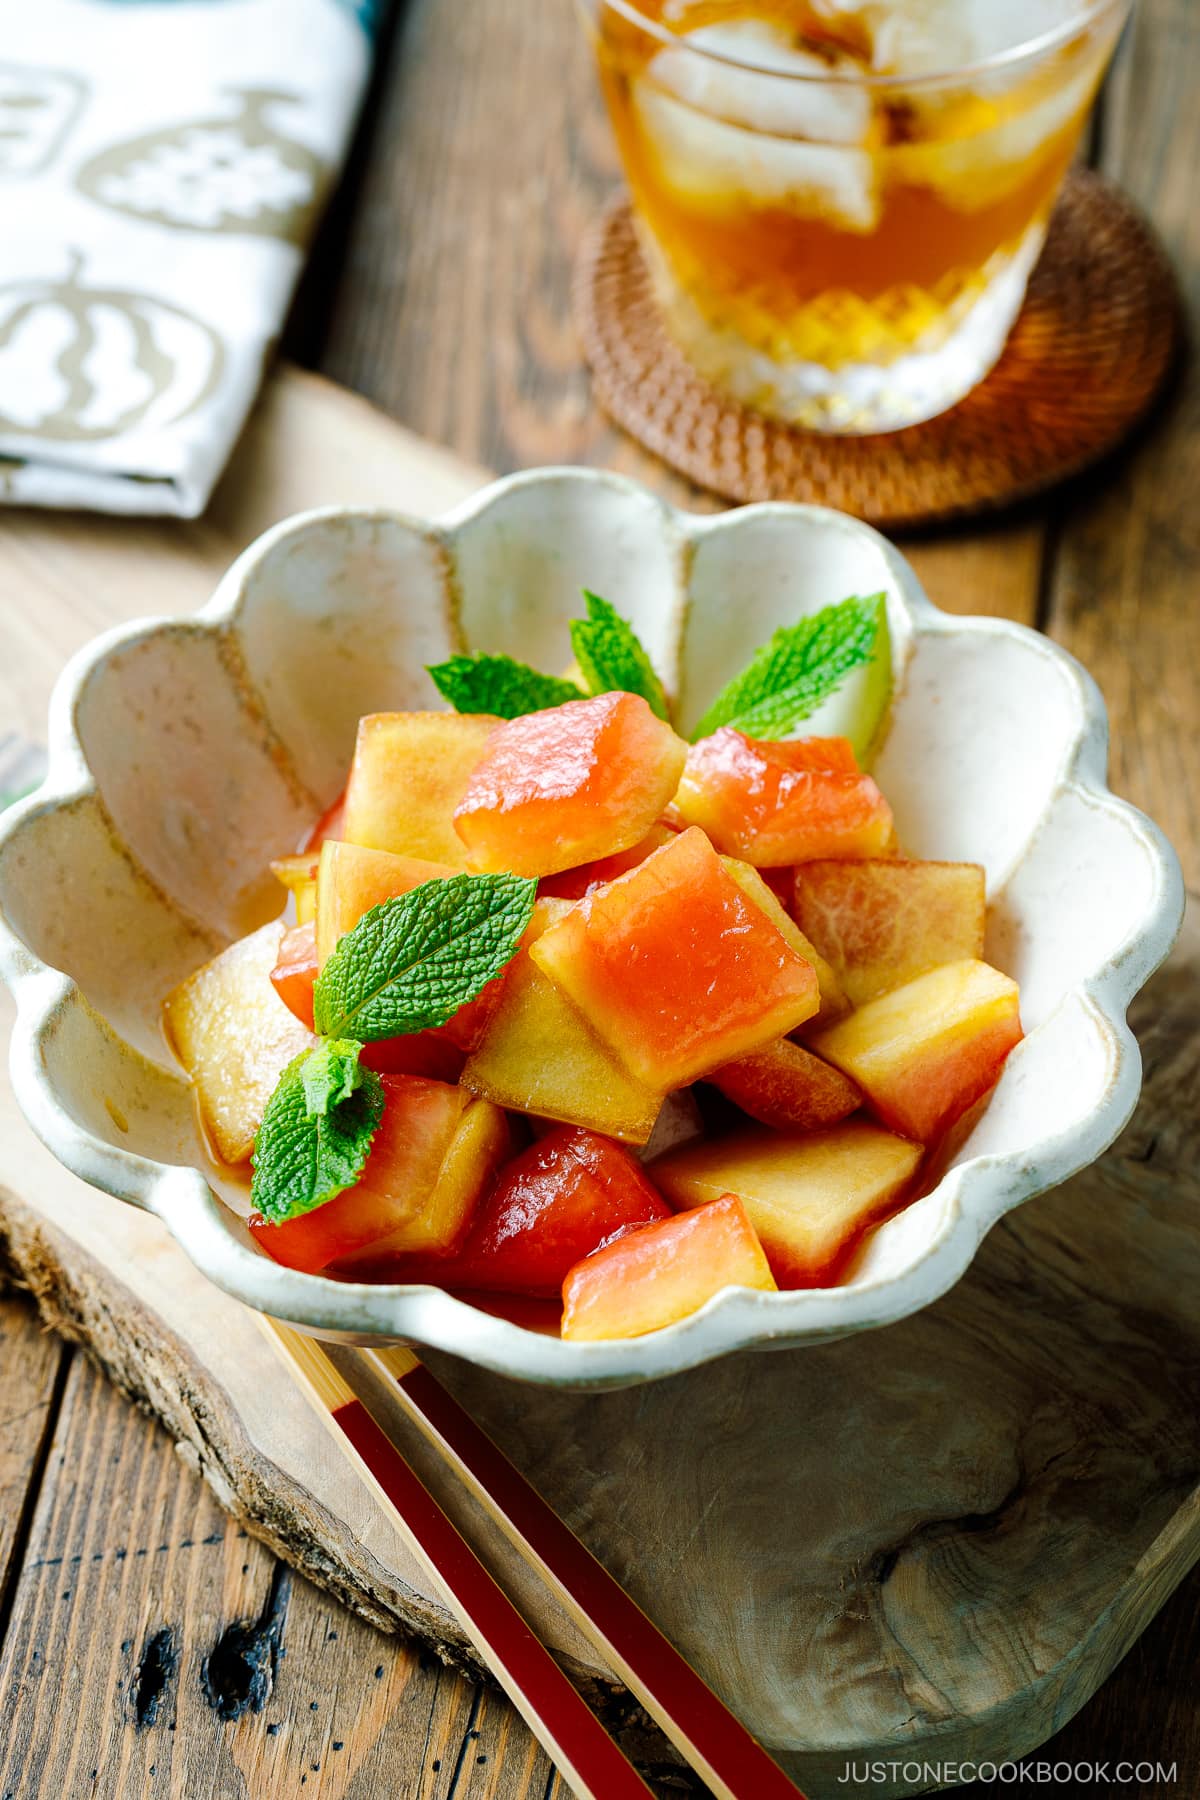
{"x": 932, "y": 1541}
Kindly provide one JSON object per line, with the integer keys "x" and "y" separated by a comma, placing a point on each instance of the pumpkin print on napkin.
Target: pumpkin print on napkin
{"x": 79, "y": 363}
{"x": 236, "y": 173}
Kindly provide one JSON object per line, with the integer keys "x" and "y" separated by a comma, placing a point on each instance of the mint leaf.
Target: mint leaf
{"x": 498, "y": 684}
{"x": 611, "y": 658}
{"x": 412, "y": 961}
{"x": 316, "y": 1133}
{"x": 800, "y": 667}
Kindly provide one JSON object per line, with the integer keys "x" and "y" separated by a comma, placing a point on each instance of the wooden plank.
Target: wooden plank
{"x": 995, "y": 569}
{"x": 32, "y": 1369}
{"x": 491, "y": 158}
{"x": 1122, "y": 593}
{"x": 184, "y": 1660}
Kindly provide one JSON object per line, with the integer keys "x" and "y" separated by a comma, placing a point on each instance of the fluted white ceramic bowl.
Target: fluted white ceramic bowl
{"x": 183, "y": 753}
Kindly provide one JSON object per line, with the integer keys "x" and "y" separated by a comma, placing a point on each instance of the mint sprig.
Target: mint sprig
{"x": 499, "y": 685}
{"x": 784, "y": 682}
{"x": 410, "y": 963}
{"x": 801, "y": 666}
{"x": 611, "y": 660}
{"x": 611, "y": 656}
{"x": 316, "y": 1133}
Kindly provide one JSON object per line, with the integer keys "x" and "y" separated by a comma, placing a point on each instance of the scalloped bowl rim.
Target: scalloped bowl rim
{"x": 975, "y": 1194}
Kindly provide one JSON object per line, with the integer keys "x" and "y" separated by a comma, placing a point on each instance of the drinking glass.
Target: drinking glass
{"x": 841, "y": 203}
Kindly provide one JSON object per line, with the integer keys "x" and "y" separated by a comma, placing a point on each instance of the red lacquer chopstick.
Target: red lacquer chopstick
{"x": 715, "y": 1743}
{"x": 557, "y": 1715}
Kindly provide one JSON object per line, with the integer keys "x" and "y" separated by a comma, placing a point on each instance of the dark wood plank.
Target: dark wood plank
{"x": 1122, "y": 593}
{"x": 992, "y": 569}
{"x": 32, "y": 1369}
{"x": 491, "y": 157}
{"x": 156, "y": 1649}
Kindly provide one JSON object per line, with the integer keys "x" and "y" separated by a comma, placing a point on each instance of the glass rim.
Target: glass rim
{"x": 1052, "y": 39}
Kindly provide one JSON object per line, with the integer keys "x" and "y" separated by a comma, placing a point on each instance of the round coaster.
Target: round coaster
{"x": 1091, "y": 348}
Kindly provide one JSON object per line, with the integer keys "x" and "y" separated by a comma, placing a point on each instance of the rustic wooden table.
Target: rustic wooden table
{"x": 439, "y": 290}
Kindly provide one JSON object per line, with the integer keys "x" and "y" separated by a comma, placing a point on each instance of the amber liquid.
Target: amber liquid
{"x": 945, "y": 183}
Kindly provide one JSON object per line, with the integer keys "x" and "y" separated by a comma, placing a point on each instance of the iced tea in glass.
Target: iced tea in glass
{"x": 841, "y": 201}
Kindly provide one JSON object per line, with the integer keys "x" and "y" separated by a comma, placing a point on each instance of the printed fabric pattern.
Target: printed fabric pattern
{"x": 163, "y": 167}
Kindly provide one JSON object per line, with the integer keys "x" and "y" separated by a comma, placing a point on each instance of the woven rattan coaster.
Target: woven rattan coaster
{"x": 1092, "y": 347}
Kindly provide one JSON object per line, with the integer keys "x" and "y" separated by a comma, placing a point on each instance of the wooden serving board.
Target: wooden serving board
{"x": 929, "y": 1543}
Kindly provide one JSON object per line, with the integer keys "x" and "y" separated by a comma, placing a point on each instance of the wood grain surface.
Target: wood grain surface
{"x": 155, "y": 1648}
{"x": 440, "y": 292}
{"x": 1121, "y": 584}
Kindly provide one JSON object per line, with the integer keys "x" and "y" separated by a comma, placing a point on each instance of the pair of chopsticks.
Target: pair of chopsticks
{"x": 716, "y": 1745}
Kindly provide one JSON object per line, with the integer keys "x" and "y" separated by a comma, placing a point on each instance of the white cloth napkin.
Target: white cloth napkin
{"x": 162, "y": 166}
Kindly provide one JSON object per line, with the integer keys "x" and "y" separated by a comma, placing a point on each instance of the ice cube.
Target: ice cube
{"x": 973, "y": 138}
{"x": 724, "y": 137}
{"x": 925, "y": 37}
{"x": 977, "y": 169}
{"x": 800, "y": 101}
{"x": 723, "y": 168}
{"x": 986, "y": 29}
